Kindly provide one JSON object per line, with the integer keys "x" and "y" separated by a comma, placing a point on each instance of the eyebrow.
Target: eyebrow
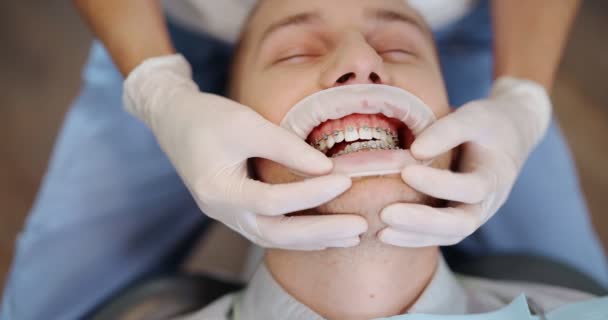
{"x": 385, "y": 15}
{"x": 297, "y": 19}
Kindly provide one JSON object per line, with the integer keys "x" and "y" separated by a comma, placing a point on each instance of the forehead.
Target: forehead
{"x": 272, "y": 14}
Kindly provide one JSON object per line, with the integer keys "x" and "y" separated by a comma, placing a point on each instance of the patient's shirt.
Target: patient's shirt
{"x": 447, "y": 293}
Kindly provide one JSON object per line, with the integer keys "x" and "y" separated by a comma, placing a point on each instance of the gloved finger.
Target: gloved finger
{"x": 277, "y": 144}
{"x": 311, "y": 232}
{"x": 342, "y": 243}
{"x": 443, "y": 135}
{"x": 414, "y": 240}
{"x": 453, "y": 222}
{"x": 277, "y": 199}
{"x": 470, "y": 187}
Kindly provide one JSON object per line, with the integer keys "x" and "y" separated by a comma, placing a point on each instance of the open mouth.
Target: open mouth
{"x": 360, "y": 132}
{"x": 366, "y": 129}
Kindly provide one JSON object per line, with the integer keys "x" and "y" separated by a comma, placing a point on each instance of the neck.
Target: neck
{"x": 368, "y": 281}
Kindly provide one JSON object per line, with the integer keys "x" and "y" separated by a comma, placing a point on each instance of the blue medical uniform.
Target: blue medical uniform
{"x": 111, "y": 208}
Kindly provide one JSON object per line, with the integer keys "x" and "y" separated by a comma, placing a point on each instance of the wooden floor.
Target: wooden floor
{"x": 44, "y": 45}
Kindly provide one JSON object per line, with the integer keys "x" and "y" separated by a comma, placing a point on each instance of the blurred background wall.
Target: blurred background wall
{"x": 43, "y": 45}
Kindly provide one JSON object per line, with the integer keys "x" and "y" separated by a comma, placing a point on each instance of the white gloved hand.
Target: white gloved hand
{"x": 497, "y": 135}
{"x": 209, "y": 138}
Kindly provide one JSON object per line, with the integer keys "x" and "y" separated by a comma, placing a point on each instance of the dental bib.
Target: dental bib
{"x": 594, "y": 309}
{"x": 367, "y": 99}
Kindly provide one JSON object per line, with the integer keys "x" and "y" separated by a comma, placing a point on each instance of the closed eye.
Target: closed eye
{"x": 296, "y": 58}
{"x": 396, "y": 55}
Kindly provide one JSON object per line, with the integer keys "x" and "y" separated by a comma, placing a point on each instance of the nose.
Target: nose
{"x": 354, "y": 62}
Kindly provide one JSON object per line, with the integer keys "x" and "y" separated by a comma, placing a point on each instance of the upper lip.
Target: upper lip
{"x": 338, "y": 102}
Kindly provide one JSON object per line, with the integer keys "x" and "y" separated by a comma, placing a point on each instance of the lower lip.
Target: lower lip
{"x": 374, "y": 163}
{"x": 370, "y": 163}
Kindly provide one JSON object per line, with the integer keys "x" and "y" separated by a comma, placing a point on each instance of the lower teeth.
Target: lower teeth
{"x": 368, "y": 145}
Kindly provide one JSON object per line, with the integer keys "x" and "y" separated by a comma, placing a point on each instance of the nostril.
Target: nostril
{"x": 374, "y": 77}
{"x": 345, "y": 77}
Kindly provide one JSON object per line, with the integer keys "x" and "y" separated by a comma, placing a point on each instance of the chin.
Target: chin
{"x": 367, "y": 196}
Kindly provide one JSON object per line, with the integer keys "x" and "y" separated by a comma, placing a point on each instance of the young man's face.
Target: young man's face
{"x": 294, "y": 48}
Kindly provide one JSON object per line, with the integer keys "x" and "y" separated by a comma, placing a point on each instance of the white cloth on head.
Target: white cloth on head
{"x": 223, "y": 19}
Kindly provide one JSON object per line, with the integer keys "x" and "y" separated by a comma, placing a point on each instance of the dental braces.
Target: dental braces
{"x": 389, "y": 138}
{"x": 361, "y": 146}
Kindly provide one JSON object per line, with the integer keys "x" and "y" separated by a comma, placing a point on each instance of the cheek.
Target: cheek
{"x": 272, "y": 93}
{"x": 273, "y": 173}
{"x": 425, "y": 84}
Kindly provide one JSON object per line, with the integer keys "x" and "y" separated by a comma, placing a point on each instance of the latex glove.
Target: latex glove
{"x": 209, "y": 138}
{"x": 497, "y": 134}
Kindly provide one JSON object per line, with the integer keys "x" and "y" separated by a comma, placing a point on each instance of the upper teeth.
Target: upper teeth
{"x": 338, "y": 136}
{"x": 330, "y": 140}
{"x": 384, "y": 139}
{"x": 365, "y": 133}
{"x": 379, "y": 134}
{"x": 351, "y": 134}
